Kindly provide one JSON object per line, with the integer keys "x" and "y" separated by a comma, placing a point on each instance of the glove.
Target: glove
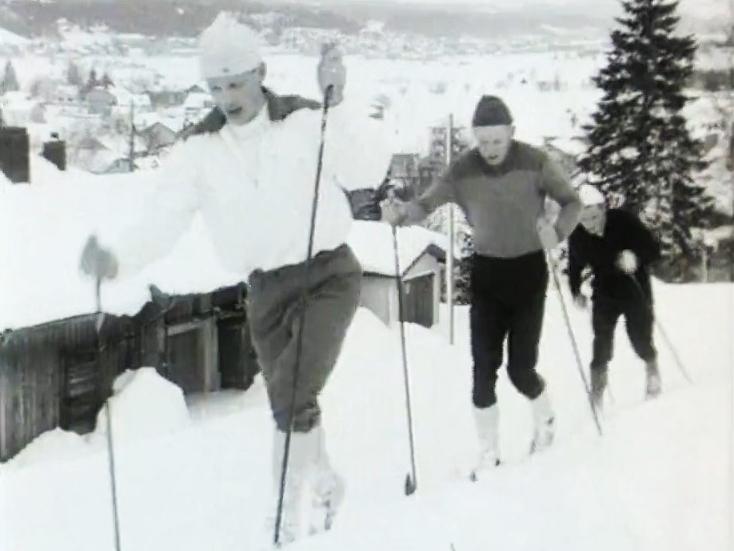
{"x": 332, "y": 72}
{"x": 96, "y": 261}
{"x": 547, "y": 233}
{"x": 627, "y": 262}
{"x": 393, "y": 211}
{"x": 580, "y": 301}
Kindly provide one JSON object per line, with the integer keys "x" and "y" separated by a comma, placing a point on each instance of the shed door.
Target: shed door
{"x": 192, "y": 355}
{"x": 80, "y": 390}
{"x": 419, "y": 300}
{"x": 237, "y": 360}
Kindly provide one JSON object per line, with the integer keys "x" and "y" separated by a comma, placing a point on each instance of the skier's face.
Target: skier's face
{"x": 592, "y": 219}
{"x": 494, "y": 142}
{"x": 240, "y": 97}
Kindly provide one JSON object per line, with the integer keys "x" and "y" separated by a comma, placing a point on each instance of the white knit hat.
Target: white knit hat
{"x": 590, "y": 196}
{"x": 228, "y": 48}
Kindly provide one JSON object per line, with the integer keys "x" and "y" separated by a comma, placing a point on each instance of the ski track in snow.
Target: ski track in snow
{"x": 658, "y": 478}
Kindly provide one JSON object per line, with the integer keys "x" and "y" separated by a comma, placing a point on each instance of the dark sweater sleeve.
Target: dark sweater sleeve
{"x": 576, "y": 264}
{"x": 643, "y": 242}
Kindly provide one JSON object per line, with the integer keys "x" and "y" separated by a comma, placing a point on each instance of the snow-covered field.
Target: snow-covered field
{"x": 660, "y": 478}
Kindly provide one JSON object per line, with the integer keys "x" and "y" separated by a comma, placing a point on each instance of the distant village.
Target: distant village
{"x": 111, "y": 127}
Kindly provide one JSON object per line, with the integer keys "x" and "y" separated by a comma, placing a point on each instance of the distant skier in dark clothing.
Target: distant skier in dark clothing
{"x": 619, "y": 249}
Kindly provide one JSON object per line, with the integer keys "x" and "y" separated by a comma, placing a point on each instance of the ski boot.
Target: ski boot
{"x": 653, "y": 384}
{"x": 487, "y": 425}
{"x": 543, "y": 419}
{"x": 327, "y": 488}
{"x": 598, "y": 386}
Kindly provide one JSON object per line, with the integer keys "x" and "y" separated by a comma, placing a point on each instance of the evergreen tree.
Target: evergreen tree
{"x": 641, "y": 154}
{"x": 107, "y": 81}
{"x": 91, "y": 81}
{"x": 10, "y": 80}
{"x": 73, "y": 75}
{"x": 462, "y": 272}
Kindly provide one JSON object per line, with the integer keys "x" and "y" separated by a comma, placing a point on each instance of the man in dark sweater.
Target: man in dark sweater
{"x": 501, "y": 185}
{"x": 619, "y": 249}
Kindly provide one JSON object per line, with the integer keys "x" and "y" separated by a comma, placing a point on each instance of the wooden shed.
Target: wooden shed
{"x": 59, "y": 374}
{"x": 421, "y": 255}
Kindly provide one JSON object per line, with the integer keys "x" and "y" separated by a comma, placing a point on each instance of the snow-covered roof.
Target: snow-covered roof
{"x": 144, "y": 121}
{"x": 43, "y": 227}
{"x": 14, "y": 98}
{"x": 198, "y": 100}
{"x": 372, "y": 242}
{"x": 7, "y": 37}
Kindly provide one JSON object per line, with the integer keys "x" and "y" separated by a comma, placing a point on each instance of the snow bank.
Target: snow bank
{"x": 12, "y": 39}
{"x": 143, "y": 404}
{"x": 54, "y": 445}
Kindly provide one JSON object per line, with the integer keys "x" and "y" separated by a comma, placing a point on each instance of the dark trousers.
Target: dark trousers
{"x": 508, "y": 301}
{"x": 639, "y": 319}
{"x": 274, "y": 310}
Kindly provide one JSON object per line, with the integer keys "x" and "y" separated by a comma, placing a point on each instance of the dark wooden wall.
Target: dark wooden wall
{"x": 43, "y": 383}
{"x": 60, "y": 373}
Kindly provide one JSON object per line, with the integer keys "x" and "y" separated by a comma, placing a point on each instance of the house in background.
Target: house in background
{"x": 100, "y": 101}
{"x": 91, "y": 154}
{"x": 16, "y": 108}
{"x": 162, "y": 99}
{"x": 405, "y": 172}
{"x": 66, "y": 94}
{"x": 421, "y": 258}
{"x": 198, "y": 88}
{"x": 197, "y": 104}
{"x": 156, "y": 136}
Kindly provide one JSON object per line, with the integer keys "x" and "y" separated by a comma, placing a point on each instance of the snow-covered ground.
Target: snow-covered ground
{"x": 661, "y": 477}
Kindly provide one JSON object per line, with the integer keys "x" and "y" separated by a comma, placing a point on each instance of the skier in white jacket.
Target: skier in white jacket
{"x": 249, "y": 170}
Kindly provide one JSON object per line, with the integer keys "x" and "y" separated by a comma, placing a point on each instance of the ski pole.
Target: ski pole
{"x": 98, "y": 321}
{"x": 678, "y": 361}
{"x": 661, "y": 329}
{"x": 302, "y": 314}
{"x": 410, "y": 478}
{"x": 574, "y": 344}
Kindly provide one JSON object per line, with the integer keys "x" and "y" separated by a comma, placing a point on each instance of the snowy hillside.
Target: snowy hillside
{"x": 8, "y": 38}
{"x": 659, "y": 478}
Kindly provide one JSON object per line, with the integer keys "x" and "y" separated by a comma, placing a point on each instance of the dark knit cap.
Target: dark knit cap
{"x": 491, "y": 111}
